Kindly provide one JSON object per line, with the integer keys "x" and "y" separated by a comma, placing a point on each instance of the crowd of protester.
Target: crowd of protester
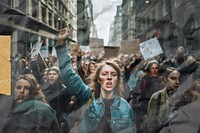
{"x": 123, "y": 94}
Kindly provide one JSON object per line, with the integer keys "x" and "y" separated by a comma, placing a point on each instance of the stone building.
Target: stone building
{"x": 27, "y": 21}
{"x": 174, "y": 22}
{"x": 115, "y": 36}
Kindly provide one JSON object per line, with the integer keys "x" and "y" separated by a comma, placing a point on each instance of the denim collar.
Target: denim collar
{"x": 116, "y": 103}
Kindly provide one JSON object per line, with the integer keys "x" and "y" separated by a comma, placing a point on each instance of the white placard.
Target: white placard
{"x": 44, "y": 52}
{"x": 150, "y": 48}
{"x": 36, "y": 49}
{"x": 53, "y": 53}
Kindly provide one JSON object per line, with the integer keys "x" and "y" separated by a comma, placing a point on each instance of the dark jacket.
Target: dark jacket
{"x": 58, "y": 97}
{"x": 32, "y": 117}
{"x": 185, "y": 120}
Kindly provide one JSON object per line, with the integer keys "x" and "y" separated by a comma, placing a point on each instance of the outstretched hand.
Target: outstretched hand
{"x": 62, "y": 36}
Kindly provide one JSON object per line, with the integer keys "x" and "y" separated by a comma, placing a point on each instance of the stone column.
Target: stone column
{"x": 29, "y": 7}
{"x": 39, "y": 11}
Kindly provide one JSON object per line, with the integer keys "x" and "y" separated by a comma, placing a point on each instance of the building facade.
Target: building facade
{"x": 27, "y": 21}
{"x": 165, "y": 20}
{"x": 115, "y": 36}
{"x": 85, "y": 24}
{"x": 128, "y": 19}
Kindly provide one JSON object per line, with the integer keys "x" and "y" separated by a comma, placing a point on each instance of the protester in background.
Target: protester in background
{"x": 189, "y": 65}
{"x": 30, "y": 112}
{"x": 186, "y": 119}
{"x": 107, "y": 111}
{"x": 45, "y": 75}
{"x": 143, "y": 91}
{"x": 22, "y": 67}
{"x": 58, "y": 97}
{"x": 158, "y": 107}
{"x": 180, "y": 55}
{"x": 90, "y": 70}
{"x": 132, "y": 74}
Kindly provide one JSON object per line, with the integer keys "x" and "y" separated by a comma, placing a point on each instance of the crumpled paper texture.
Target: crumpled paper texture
{"x": 5, "y": 76}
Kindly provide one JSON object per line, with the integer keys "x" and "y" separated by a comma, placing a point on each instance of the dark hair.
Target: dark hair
{"x": 95, "y": 76}
{"x": 35, "y": 89}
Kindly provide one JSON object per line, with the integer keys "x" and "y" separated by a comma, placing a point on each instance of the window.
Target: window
{"x": 7, "y": 2}
{"x": 177, "y": 3}
{"x": 166, "y": 7}
{"x": 56, "y": 22}
{"x": 44, "y": 14}
{"x": 50, "y": 18}
{"x": 34, "y": 8}
{"x": 22, "y": 6}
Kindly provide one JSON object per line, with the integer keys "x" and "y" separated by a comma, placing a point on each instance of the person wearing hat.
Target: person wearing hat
{"x": 57, "y": 96}
{"x": 143, "y": 91}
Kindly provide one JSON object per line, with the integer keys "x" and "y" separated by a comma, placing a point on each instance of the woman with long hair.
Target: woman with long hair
{"x": 106, "y": 110}
{"x": 30, "y": 113}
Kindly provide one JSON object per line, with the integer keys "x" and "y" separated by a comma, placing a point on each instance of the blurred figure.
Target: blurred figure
{"x": 141, "y": 94}
{"x": 22, "y": 67}
{"x": 180, "y": 55}
{"x": 30, "y": 112}
{"x": 58, "y": 97}
{"x": 91, "y": 69}
{"x": 186, "y": 119}
{"x": 158, "y": 107}
{"x": 45, "y": 75}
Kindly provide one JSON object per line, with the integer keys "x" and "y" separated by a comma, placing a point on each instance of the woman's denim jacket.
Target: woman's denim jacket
{"x": 121, "y": 113}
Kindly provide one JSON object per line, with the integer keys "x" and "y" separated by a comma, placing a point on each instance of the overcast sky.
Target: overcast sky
{"x": 103, "y": 13}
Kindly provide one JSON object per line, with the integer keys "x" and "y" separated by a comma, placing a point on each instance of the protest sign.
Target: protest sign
{"x": 53, "y": 53}
{"x": 150, "y": 48}
{"x": 36, "y": 49}
{"x": 5, "y": 76}
{"x": 44, "y": 52}
{"x": 41, "y": 63}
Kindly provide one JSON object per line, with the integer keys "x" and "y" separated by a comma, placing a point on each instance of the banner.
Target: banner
{"x": 5, "y": 76}
{"x": 150, "y": 48}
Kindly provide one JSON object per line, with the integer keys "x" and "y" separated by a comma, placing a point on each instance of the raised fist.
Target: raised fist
{"x": 63, "y": 35}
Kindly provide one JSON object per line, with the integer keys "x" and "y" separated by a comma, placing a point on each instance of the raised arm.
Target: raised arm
{"x": 69, "y": 77}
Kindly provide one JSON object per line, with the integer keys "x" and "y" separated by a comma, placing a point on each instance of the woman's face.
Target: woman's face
{"x": 52, "y": 76}
{"x": 45, "y": 76}
{"x": 92, "y": 67}
{"x": 107, "y": 79}
{"x": 22, "y": 91}
{"x": 154, "y": 70}
{"x": 173, "y": 80}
